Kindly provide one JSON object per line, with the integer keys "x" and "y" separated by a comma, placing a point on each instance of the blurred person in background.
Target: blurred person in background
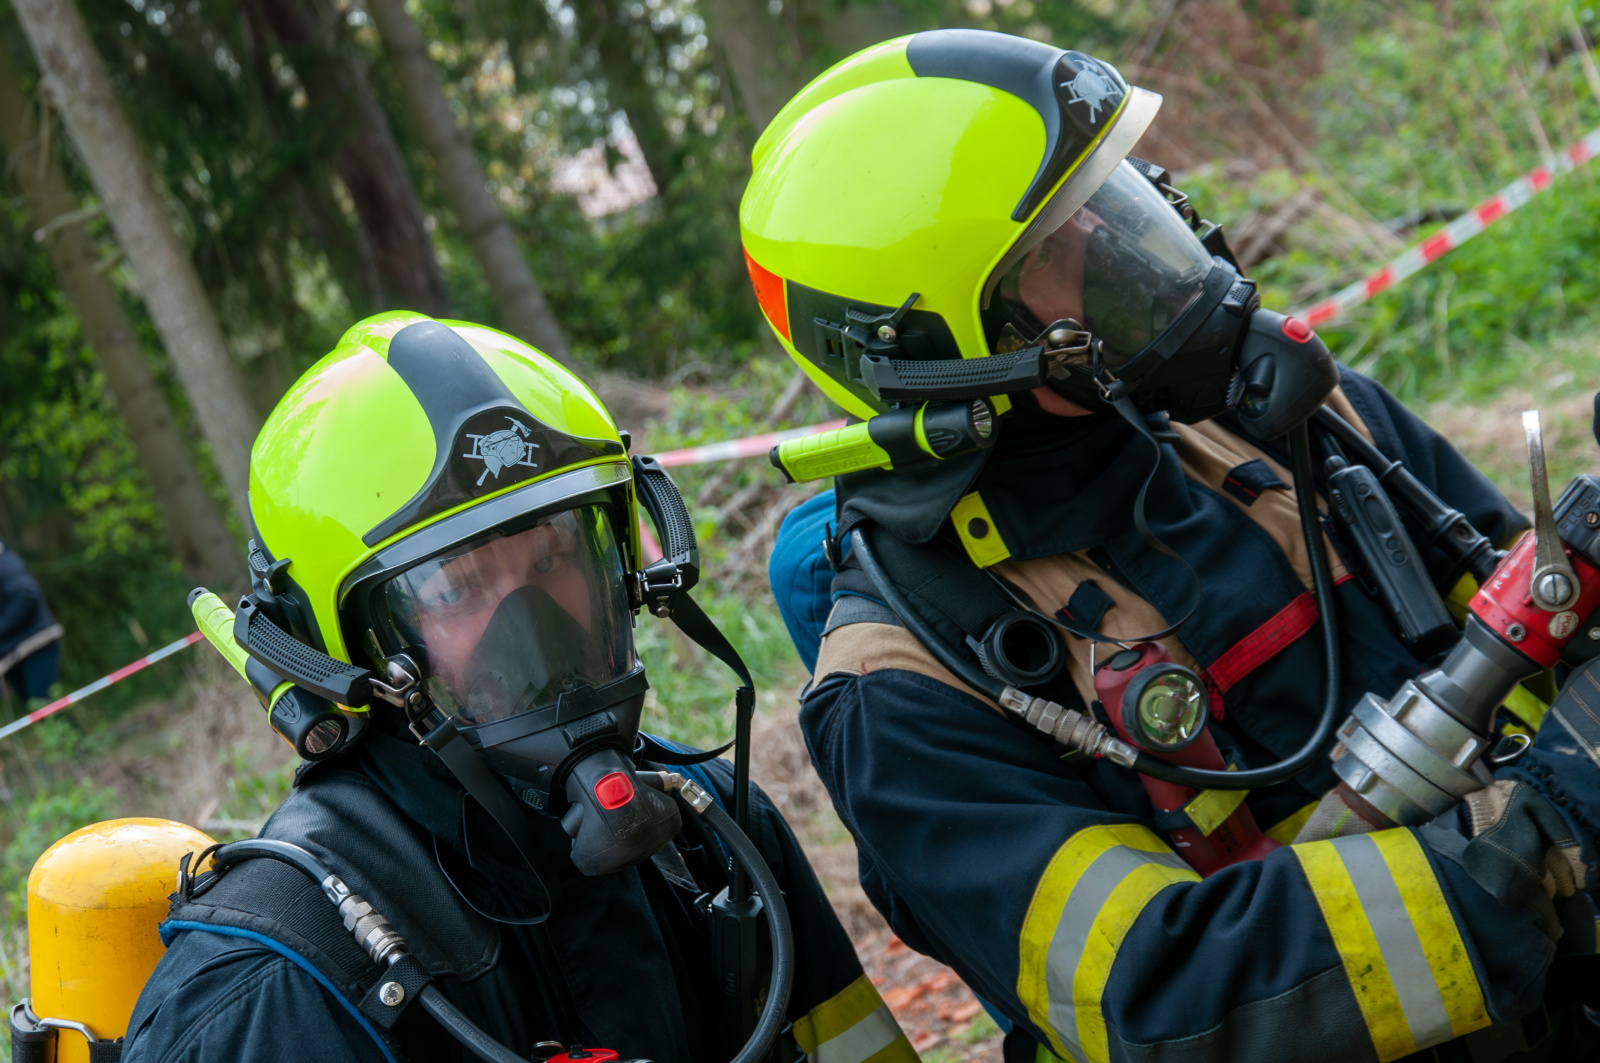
{"x": 30, "y": 638}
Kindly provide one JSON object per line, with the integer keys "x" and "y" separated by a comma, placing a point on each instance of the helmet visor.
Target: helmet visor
{"x": 513, "y": 620}
{"x": 1124, "y": 266}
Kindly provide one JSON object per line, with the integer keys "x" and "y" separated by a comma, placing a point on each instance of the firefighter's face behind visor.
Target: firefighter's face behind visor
{"x": 1124, "y": 267}
{"x": 514, "y": 621}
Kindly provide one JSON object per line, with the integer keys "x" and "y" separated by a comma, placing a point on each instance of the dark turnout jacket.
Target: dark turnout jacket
{"x": 1050, "y": 887}
{"x": 622, "y": 963}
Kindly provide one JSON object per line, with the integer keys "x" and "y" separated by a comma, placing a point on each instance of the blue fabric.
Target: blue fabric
{"x": 22, "y": 606}
{"x": 34, "y": 675}
{"x": 800, "y": 574}
{"x": 170, "y": 930}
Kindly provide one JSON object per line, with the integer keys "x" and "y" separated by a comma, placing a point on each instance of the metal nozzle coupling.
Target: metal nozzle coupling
{"x": 371, "y": 930}
{"x": 1070, "y": 727}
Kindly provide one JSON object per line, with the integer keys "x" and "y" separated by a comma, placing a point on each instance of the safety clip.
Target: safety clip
{"x": 403, "y": 675}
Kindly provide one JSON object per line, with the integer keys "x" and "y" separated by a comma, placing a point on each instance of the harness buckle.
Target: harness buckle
{"x": 831, "y": 549}
{"x": 658, "y": 585}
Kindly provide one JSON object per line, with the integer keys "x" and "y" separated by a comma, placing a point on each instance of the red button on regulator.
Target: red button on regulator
{"x": 614, "y": 790}
{"x": 1296, "y": 329}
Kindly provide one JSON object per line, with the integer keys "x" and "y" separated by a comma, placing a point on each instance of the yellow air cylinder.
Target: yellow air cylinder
{"x": 94, "y": 900}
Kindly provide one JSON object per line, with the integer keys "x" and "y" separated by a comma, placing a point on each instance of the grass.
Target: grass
{"x": 691, "y": 692}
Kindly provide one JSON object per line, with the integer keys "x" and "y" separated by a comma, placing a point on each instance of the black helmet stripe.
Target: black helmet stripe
{"x": 1075, "y": 94}
{"x": 484, "y": 439}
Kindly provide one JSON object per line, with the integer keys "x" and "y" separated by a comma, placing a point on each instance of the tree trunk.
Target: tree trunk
{"x": 628, "y": 91}
{"x": 752, "y": 44}
{"x": 195, "y": 529}
{"x": 521, "y": 304}
{"x": 77, "y": 85}
{"x": 348, "y": 251}
{"x": 367, "y": 160}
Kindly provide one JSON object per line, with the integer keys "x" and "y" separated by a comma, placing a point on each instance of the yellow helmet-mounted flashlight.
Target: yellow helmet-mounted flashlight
{"x": 905, "y": 436}
{"x": 313, "y": 725}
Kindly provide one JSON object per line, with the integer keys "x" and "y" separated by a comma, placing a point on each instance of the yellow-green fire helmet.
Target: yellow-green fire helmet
{"x": 410, "y": 437}
{"x": 922, "y": 167}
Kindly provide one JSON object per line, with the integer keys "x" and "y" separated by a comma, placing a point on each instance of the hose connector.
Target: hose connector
{"x": 1071, "y": 728}
{"x": 371, "y": 930}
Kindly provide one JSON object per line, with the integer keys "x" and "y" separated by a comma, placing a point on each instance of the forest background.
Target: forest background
{"x": 570, "y": 170}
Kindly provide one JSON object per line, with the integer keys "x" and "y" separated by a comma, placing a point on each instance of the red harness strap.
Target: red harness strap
{"x": 1260, "y": 646}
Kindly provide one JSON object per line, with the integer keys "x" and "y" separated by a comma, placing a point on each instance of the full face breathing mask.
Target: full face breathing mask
{"x": 524, "y": 639}
{"x": 1128, "y": 302}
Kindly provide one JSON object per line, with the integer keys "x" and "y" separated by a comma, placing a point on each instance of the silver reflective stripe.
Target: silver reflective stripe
{"x": 1397, "y": 938}
{"x": 1084, "y": 903}
{"x": 862, "y": 1041}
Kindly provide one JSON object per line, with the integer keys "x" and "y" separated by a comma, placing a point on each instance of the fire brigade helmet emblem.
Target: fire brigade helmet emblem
{"x": 503, "y": 449}
{"x": 1094, "y": 88}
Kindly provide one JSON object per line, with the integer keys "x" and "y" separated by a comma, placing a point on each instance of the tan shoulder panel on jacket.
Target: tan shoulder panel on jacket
{"x": 1210, "y": 452}
{"x": 857, "y": 649}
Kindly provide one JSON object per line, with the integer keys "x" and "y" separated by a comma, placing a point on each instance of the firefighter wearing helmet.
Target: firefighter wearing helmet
{"x": 1073, "y": 468}
{"x": 484, "y": 855}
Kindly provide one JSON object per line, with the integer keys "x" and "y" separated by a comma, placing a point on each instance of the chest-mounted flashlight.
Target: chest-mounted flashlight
{"x": 1162, "y": 707}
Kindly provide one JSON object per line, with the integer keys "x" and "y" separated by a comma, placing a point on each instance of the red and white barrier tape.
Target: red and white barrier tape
{"x": 1413, "y": 259}
{"x": 739, "y": 448}
{"x": 1454, "y": 234}
{"x": 100, "y": 684}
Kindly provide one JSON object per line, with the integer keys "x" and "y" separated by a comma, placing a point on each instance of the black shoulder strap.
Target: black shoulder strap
{"x": 276, "y": 905}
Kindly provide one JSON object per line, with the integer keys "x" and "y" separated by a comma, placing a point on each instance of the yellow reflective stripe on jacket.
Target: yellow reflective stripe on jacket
{"x": 853, "y": 1026}
{"x": 1089, "y": 895}
{"x": 1401, "y": 949}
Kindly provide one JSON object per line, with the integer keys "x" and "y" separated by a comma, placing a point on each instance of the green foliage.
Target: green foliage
{"x": 46, "y": 818}
{"x": 1463, "y": 326}
{"x": 691, "y": 692}
{"x": 1420, "y": 111}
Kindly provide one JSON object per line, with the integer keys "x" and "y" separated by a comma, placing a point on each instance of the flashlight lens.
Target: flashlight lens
{"x": 324, "y": 736}
{"x": 1171, "y": 709}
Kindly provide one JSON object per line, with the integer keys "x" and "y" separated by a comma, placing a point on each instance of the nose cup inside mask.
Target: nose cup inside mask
{"x": 531, "y": 651}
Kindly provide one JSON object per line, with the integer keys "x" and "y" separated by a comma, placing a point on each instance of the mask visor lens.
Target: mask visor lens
{"x": 514, "y": 620}
{"x": 1125, "y": 265}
